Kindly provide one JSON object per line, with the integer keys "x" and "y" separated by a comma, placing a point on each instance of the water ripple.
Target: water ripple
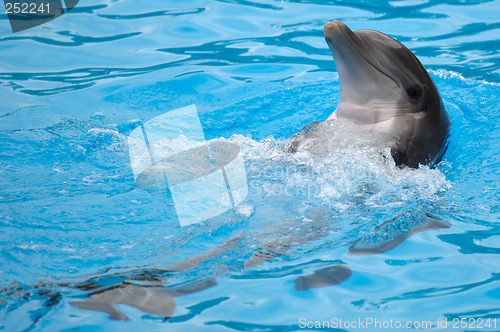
{"x": 153, "y": 14}
{"x": 76, "y": 40}
{"x": 258, "y": 71}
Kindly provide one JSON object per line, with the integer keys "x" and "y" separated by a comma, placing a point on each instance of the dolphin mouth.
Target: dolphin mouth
{"x": 339, "y": 37}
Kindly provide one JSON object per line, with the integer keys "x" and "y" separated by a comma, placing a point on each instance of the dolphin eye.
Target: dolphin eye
{"x": 414, "y": 93}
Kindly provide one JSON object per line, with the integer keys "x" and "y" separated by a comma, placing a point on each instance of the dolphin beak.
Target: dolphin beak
{"x": 340, "y": 38}
{"x": 361, "y": 77}
{"x": 333, "y": 31}
{"x": 347, "y": 48}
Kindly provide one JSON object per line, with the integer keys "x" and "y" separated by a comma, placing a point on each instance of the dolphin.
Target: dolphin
{"x": 385, "y": 89}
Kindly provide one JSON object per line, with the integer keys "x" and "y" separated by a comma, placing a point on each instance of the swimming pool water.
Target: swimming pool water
{"x": 72, "y": 91}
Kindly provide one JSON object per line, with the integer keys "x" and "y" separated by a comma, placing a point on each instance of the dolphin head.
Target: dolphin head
{"x": 384, "y": 88}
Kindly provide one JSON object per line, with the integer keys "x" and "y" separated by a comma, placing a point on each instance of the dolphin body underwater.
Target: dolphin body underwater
{"x": 385, "y": 89}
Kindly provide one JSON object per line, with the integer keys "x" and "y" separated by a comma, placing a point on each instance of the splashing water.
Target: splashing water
{"x": 73, "y": 222}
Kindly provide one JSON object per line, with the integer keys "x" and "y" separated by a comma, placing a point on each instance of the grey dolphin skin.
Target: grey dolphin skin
{"x": 386, "y": 90}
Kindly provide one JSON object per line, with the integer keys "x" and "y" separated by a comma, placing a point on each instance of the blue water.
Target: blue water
{"x": 72, "y": 91}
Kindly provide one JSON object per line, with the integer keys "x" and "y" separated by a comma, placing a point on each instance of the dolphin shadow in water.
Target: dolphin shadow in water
{"x": 337, "y": 274}
{"x": 154, "y": 300}
{"x": 367, "y": 245}
{"x": 157, "y": 300}
{"x": 370, "y": 244}
{"x": 328, "y": 276}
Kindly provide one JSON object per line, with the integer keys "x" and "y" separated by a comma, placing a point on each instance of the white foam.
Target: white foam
{"x": 340, "y": 165}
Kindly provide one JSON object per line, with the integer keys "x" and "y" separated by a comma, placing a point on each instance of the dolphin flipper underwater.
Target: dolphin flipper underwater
{"x": 385, "y": 90}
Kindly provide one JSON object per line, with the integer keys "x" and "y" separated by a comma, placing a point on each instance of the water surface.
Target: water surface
{"x": 73, "y": 221}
